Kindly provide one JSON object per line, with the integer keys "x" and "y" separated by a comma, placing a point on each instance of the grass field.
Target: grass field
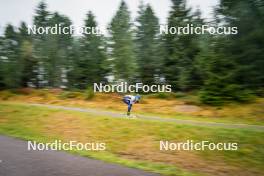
{"x": 135, "y": 143}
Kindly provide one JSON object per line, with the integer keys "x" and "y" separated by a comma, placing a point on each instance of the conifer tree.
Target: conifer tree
{"x": 122, "y": 46}
{"x": 40, "y": 44}
{"x": 25, "y": 53}
{"x": 2, "y": 60}
{"x": 149, "y": 56}
{"x": 246, "y": 47}
{"x": 234, "y": 70}
{"x": 11, "y": 62}
{"x": 58, "y": 51}
{"x": 91, "y": 65}
{"x": 181, "y": 49}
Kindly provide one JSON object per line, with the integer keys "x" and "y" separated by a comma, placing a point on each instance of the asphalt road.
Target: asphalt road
{"x": 16, "y": 160}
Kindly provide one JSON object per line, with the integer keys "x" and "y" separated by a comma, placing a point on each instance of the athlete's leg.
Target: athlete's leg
{"x": 128, "y": 105}
{"x": 129, "y": 109}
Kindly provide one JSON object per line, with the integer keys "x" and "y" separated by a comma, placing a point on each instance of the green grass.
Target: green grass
{"x": 152, "y": 104}
{"x": 134, "y": 143}
{"x": 229, "y": 120}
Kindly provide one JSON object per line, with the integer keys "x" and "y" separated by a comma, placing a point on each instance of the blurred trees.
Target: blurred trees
{"x": 182, "y": 49}
{"x": 58, "y": 52}
{"x": 235, "y": 65}
{"x": 91, "y": 65}
{"x": 11, "y": 65}
{"x": 148, "y": 46}
{"x": 52, "y": 52}
{"x": 2, "y": 59}
{"x": 26, "y": 55}
{"x": 121, "y": 45}
{"x": 40, "y": 46}
{"x": 246, "y": 48}
{"x": 220, "y": 67}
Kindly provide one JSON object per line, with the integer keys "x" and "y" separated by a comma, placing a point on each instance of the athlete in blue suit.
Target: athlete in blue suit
{"x": 130, "y": 100}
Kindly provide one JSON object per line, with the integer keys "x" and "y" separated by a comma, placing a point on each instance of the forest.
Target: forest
{"x": 219, "y": 68}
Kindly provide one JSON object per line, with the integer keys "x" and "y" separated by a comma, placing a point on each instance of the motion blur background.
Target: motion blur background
{"x": 215, "y": 79}
{"x": 219, "y": 67}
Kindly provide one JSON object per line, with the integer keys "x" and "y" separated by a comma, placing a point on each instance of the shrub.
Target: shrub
{"x": 5, "y": 95}
{"x": 232, "y": 92}
{"x": 42, "y": 93}
{"x": 22, "y": 91}
{"x": 209, "y": 98}
{"x": 89, "y": 93}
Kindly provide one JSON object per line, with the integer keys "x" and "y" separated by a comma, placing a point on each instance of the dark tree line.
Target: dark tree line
{"x": 220, "y": 67}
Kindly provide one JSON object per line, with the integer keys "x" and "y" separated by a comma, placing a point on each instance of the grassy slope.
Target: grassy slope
{"x": 186, "y": 107}
{"x": 135, "y": 143}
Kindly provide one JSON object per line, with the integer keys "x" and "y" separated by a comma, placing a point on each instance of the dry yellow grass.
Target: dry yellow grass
{"x": 176, "y": 107}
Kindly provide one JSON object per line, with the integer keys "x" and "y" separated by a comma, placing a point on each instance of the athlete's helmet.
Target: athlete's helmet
{"x": 138, "y": 97}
